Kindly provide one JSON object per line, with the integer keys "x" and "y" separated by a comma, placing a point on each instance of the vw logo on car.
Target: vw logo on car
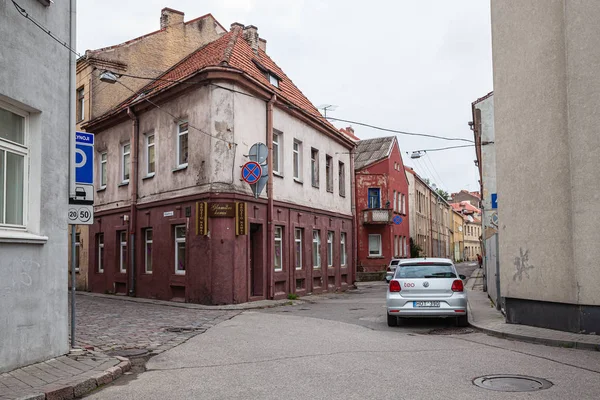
{"x": 426, "y": 284}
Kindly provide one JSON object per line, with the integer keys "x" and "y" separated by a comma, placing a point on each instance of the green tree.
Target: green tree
{"x": 415, "y": 249}
{"x": 443, "y": 194}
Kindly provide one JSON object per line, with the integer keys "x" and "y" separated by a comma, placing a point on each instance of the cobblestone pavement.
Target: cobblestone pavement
{"x": 113, "y": 324}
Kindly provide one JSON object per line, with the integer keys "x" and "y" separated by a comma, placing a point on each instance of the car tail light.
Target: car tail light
{"x": 457, "y": 286}
{"x": 394, "y": 286}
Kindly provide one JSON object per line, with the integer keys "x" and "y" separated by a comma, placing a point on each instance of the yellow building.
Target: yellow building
{"x": 458, "y": 236}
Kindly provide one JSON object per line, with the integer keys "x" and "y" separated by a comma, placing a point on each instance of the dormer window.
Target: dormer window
{"x": 273, "y": 80}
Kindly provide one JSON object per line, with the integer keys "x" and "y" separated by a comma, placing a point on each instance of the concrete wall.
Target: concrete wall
{"x": 546, "y": 57}
{"x": 34, "y": 78}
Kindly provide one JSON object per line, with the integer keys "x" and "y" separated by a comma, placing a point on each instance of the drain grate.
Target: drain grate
{"x": 512, "y": 383}
{"x": 450, "y": 331}
{"x": 179, "y": 329}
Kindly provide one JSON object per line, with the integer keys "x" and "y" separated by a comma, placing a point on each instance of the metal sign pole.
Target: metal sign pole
{"x": 73, "y": 285}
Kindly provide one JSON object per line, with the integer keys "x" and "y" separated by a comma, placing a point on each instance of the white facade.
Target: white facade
{"x": 34, "y": 146}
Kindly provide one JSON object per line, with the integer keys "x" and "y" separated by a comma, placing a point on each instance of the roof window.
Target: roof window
{"x": 273, "y": 80}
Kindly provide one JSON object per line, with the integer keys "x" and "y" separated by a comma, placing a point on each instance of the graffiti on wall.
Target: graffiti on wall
{"x": 522, "y": 265}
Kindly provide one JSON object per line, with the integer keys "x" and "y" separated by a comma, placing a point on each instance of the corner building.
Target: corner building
{"x": 169, "y": 218}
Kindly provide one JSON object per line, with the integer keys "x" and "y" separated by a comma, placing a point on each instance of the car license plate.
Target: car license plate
{"x": 426, "y": 304}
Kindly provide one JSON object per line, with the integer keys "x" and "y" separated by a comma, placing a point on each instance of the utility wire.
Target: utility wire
{"x": 177, "y": 118}
{"x": 299, "y": 108}
{"x": 441, "y": 148}
{"x": 47, "y": 31}
{"x": 428, "y": 159}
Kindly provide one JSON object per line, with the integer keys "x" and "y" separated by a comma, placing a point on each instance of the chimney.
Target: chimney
{"x": 170, "y": 17}
{"x": 351, "y": 130}
{"x": 251, "y": 36}
{"x": 262, "y": 44}
{"x": 236, "y": 25}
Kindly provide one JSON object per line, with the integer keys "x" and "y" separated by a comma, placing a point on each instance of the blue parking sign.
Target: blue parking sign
{"x": 84, "y": 158}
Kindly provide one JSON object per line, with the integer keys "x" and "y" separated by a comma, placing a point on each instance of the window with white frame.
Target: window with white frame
{"x": 298, "y": 233}
{"x": 343, "y": 254}
{"x": 330, "y": 236}
{"x": 101, "y": 252}
{"x": 182, "y": 144}
{"x": 125, "y": 165}
{"x": 403, "y": 204}
{"x": 148, "y": 250}
{"x": 314, "y": 167}
{"x": 316, "y": 249}
{"x": 103, "y": 161}
{"x": 123, "y": 252}
{"x": 342, "y": 178}
{"x": 329, "y": 173}
{"x": 150, "y": 155}
{"x": 278, "y": 260}
{"x": 273, "y": 80}
{"x": 180, "y": 250}
{"x": 394, "y": 206}
{"x": 277, "y": 144}
{"x": 14, "y": 162}
{"x": 297, "y": 151}
{"x": 80, "y": 104}
{"x": 374, "y": 245}
{"x": 77, "y": 250}
{"x": 395, "y": 246}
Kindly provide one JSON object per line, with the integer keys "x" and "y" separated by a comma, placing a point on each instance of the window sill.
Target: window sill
{"x": 148, "y": 176}
{"x": 125, "y": 183}
{"x": 102, "y": 189}
{"x": 342, "y": 195}
{"x": 277, "y": 174}
{"x": 315, "y": 186}
{"x": 298, "y": 181}
{"x": 180, "y": 273}
{"x": 376, "y": 257}
{"x": 7, "y": 236}
{"x": 330, "y": 191}
{"x": 180, "y": 168}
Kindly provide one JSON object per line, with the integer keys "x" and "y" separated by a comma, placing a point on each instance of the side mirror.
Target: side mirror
{"x": 462, "y": 277}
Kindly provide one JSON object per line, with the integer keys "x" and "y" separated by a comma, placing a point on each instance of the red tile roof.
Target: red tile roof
{"x": 230, "y": 50}
{"x": 465, "y": 205}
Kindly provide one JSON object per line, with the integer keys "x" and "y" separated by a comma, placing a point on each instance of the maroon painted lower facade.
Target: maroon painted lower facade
{"x": 220, "y": 268}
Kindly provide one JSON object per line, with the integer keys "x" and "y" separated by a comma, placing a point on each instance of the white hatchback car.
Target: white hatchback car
{"x": 426, "y": 287}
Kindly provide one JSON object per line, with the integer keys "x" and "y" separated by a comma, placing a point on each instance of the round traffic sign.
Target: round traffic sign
{"x": 251, "y": 172}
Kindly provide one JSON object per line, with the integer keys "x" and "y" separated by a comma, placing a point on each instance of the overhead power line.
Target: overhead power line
{"x": 399, "y": 132}
{"x": 47, "y": 31}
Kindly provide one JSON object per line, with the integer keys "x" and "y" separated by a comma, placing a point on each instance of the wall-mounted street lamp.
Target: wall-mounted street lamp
{"x": 108, "y": 77}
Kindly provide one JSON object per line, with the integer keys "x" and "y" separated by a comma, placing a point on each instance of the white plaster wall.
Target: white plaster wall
{"x": 34, "y": 73}
{"x": 250, "y": 128}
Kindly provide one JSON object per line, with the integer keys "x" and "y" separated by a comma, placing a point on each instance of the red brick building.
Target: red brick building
{"x": 381, "y": 204}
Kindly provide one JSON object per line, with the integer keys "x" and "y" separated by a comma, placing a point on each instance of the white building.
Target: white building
{"x": 34, "y": 179}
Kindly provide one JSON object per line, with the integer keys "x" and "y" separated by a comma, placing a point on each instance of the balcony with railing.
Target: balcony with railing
{"x": 377, "y": 216}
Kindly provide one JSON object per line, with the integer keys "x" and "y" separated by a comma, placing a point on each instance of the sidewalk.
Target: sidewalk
{"x": 82, "y": 371}
{"x": 484, "y": 316}
{"x": 66, "y": 377}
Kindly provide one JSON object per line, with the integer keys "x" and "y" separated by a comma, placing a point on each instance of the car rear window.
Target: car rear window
{"x": 427, "y": 271}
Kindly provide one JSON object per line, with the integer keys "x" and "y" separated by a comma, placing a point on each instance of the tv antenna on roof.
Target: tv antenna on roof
{"x": 326, "y": 107}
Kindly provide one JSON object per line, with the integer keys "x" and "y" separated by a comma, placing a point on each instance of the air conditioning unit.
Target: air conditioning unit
{"x": 47, "y": 3}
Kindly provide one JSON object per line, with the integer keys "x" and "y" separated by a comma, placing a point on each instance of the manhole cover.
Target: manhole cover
{"x": 512, "y": 383}
{"x": 129, "y": 353}
{"x": 450, "y": 331}
{"x": 179, "y": 329}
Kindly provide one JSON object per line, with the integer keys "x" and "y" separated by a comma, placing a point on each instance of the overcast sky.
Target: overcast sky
{"x": 411, "y": 65}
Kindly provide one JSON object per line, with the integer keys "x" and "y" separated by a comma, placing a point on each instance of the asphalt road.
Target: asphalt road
{"x": 340, "y": 347}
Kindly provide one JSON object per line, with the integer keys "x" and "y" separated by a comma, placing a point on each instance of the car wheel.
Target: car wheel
{"x": 462, "y": 321}
{"x": 392, "y": 320}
